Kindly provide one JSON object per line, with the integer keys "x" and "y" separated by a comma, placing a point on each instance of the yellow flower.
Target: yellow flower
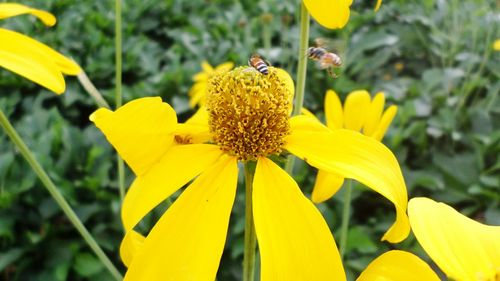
{"x": 247, "y": 118}
{"x": 197, "y": 93}
{"x": 363, "y": 114}
{"x": 463, "y": 248}
{"x": 30, "y": 58}
{"x": 496, "y": 45}
{"x": 332, "y": 14}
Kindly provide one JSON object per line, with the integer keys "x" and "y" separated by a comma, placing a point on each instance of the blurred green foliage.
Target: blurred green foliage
{"x": 432, "y": 58}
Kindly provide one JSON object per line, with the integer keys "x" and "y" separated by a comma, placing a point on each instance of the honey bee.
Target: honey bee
{"x": 327, "y": 60}
{"x": 258, "y": 62}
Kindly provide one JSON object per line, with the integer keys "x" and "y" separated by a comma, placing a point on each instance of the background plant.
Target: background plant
{"x": 432, "y": 58}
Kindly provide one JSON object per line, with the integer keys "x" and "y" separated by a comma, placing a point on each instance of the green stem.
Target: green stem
{"x": 301, "y": 72}
{"x": 118, "y": 85}
{"x": 47, "y": 182}
{"x": 92, "y": 90}
{"x": 346, "y": 214}
{"x": 250, "y": 237}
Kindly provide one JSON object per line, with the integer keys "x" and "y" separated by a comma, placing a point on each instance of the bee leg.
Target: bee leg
{"x": 331, "y": 73}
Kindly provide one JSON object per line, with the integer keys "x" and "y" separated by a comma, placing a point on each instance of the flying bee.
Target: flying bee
{"x": 327, "y": 60}
{"x": 258, "y": 62}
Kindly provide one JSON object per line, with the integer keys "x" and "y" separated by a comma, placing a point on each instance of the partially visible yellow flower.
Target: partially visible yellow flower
{"x": 197, "y": 93}
{"x": 360, "y": 113}
{"x": 464, "y": 249}
{"x": 247, "y": 116}
{"x": 332, "y": 14}
{"x": 30, "y": 58}
{"x": 496, "y": 45}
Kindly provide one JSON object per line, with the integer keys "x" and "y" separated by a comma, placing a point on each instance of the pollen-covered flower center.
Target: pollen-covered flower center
{"x": 249, "y": 112}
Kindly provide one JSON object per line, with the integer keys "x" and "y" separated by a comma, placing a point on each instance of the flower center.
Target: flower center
{"x": 249, "y": 112}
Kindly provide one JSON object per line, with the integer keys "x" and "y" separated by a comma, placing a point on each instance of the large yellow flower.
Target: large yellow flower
{"x": 332, "y": 13}
{"x": 197, "y": 93}
{"x": 362, "y": 114}
{"x": 30, "y": 58}
{"x": 248, "y": 120}
{"x": 464, "y": 249}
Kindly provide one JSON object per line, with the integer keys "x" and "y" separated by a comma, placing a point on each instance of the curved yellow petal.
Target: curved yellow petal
{"x": 200, "y": 77}
{"x": 195, "y": 129}
{"x": 207, "y": 68}
{"x": 25, "y": 46}
{"x": 8, "y": 10}
{"x": 198, "y": 94}
{"x": 295, "y": 242}
{"x": 398, "y": 265}
{"x": 385, "y": 121}
{"x": 377, "y": 6}
{"x": 307, "y": 123}
{"x": 177, "y": 167}
{"x": 224, "y": 67}
{"x": 355, "y": 108}
{"x": 131, "y": 244}
{"x": 496, "y": 45}
{"x": 329, "y": 13}
{"x": 353, "y": 155}
{"x": 373, "y": 114}
{"x": 141, "y": 131}
{"x": 333, "y": 110}
{"x": 325, "y": 186}
{"x": 187, "y": 242}
{"x": 34, "y": 61}
{"x": 463, "y": 248}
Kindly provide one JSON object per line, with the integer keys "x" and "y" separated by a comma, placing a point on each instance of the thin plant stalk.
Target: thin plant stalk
{"x": 346, "y": 215}
{"x": 118, "y": 85}
{"x": 54, "y": 192}
{"x": 301, "y": 72}
{"x": 250, "y": 236}
{"x": 92, "y": 90}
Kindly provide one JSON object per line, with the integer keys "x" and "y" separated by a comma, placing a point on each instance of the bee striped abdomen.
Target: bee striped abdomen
{"x": 315, "y": 53}
{"x": 258, "y": 63}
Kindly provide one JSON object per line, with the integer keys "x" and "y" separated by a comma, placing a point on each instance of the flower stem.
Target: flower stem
{"x": 250, "y": 237}
{"x": 92, "y": 90}
{"x": 118, "y": 85}
{"x": 346, "y": 214}
{"x": 301, "y": 72}
{"x": 47, "y": 182}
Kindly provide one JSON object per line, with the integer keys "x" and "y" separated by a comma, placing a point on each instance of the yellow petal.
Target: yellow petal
{"x": 326, "y": 185}
{"x": 34, "y": 60}
{"x": 463, "y": 248}
{"x": 200, "y": 77}
{"x": 496, "y": 45}
{"x": 333, "y": 111}
{"x": 8, "y": 10}
{"x": 355, "y": 108}
{"x": 177, "y": 167}
{"x": 141, "y": 131}
{"x": 187, "y": 242}
{"x": 397, "y": 266}
{"x": 131, "y": 244}
{"x": 307, "y": 123}
{"x": 224, "y": 67}
{"x": 377, "y": 6}
{"x": 353, "y": 155}
{"x": 329, "y": 13}
{"x": 295, "y": 242}
{"x": 207, "y": 68}
{"x": 373, "y": 114}
{"x": 307, "y": 112}
{"x": 385, "y": 121}
{"x": 24, "y": 45}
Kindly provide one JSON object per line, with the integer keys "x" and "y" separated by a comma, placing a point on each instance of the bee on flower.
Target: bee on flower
{"x": 246, "y": 119}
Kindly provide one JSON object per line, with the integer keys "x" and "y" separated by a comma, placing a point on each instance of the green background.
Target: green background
{"x": 434, "y": 59}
